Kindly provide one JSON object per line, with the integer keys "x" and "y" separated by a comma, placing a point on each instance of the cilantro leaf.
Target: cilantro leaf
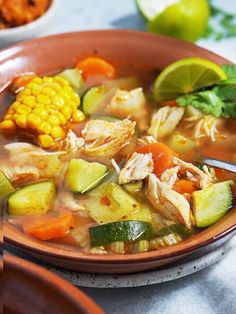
{"x": 207, "y": 102}
{"x": 230, "y": 70}
{"x": 220, "y": 101}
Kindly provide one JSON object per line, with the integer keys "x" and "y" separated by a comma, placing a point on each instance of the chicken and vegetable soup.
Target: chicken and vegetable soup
{"x": 108, "y": 160}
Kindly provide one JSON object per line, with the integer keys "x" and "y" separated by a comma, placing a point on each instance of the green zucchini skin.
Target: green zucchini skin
{"x": 126, "y": 231}
{"x": 92, "y": 99}
{"x": 32, "y": 199}
{"x": 212, "y": 203}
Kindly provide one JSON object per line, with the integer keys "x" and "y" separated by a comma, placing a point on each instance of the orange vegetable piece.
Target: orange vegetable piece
{"x": 20, "y": 82}
{"x": 184, "y": 186}
{"x": 161, "y": 154}
{"x": 95, "y": 66}
{"x": 55, "y": 228}
{"x": 170, "y": 103}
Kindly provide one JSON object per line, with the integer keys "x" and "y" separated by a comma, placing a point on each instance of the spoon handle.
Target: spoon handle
{"x": 220, "y": 164}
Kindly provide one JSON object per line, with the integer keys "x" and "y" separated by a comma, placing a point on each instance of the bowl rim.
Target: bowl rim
{"x": 17, "y": 30}
{"x": 185, "y": 247}
{"x": 71, "y": 293}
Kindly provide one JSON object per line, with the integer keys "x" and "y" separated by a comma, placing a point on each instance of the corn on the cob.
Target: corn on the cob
{"x": 44, "y": 107}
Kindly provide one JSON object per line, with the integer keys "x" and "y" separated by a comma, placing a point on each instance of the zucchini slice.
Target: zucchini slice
{"x": 82, "y": 176}
{"x": 73, "y": 77}
{"x": 5, "y": 186}
{"x": 93, "y": 99}
{"x": 212, "y": 203}
{"x": 33, "y": 199}
{"x": 126, "y": 231}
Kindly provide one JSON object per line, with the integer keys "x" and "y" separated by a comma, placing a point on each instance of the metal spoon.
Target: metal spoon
{"x": 219, "y": 164}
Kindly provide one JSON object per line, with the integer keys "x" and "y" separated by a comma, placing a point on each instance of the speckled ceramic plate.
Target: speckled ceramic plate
{"x": 176, "y": 271}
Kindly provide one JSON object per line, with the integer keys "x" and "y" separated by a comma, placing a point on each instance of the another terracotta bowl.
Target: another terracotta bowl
{"x": 148, "y": 52}
{"x": 28, "y": 288}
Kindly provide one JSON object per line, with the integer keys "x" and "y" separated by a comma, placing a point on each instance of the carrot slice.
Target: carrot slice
{"x": 184, "y": 186}
{"x": 56, "y": 228}
{"x": 161, "y": 154}
{"x": 170, "y": 103}
{"x": 95, "y": 66}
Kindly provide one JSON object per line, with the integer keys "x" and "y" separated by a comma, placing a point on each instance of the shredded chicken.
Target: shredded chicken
{"x": 165, "y": 121}
{"x": 206, "y": 127}
{"x": 73, "y": 204}
{"x": 145, "y": 140}
{"x": 103, "y": 138}
{"x": 115, "y": 166}
{"x": 130, "y": 104}
{"x": 48, "y": 164}
{"x": 170, "y": 176}
{"x": 21, "y": 175}
{"x": 205, "y": 178}
{"x": 138, "y": 167}
{"x": 168, "y": 202}
{"x": 72, "y": 144}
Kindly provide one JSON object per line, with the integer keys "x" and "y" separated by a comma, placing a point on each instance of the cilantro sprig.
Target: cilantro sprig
{"x": 218, "y": 100}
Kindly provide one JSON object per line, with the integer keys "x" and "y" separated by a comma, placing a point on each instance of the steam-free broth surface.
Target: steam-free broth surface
{"x": 90, "y": 158}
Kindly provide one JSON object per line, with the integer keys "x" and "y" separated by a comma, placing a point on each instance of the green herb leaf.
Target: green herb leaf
{"x": 220, "y": 101}
{"x": 230, "y": 70}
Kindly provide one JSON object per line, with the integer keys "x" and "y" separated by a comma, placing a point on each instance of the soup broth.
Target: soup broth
{"x": 90, "y": 159}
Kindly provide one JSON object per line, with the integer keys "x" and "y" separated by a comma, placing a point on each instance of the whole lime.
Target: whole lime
{"x": 185, "y": 19}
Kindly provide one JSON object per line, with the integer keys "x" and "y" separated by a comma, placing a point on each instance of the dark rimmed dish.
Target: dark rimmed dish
{"x": 32, "y": 289}
{"x": 47, "y": 55}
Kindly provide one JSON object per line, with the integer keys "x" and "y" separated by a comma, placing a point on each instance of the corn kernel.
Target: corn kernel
{"x": 76, "y": 99}
{"x": 37, "y": 80}
{"x": 36, "y": 90}
{"x": 78, "y": 116}
{"x": 22, "y": 109}
{"x": 45, "y": 141}
{"x": 47, "y": 79}
{"x": 48, "y": 92}
{"x": 30, "y": 86}
{"x": 29, "y": 101}
{"x": 61, "y": 117}
{"x": 65, "y": 94}
{"x": 8, "y": 116}
{"x": 61, "y": 81}
{"x": 43, "y": 99}
{"x": 52, "y": 109}
{"x": 69, "y": 89}
{"x": 15, "y": 105}
{"x": 15, "y": 116}
{"x": 72, "y": 104}
{"x": 55, "y": 86}
{"x": 56, "y": 132}
{"x": 26, "y": 91}
{"x": 21, "y": 121}
{"x": 44, "y": 128}
{"x": 41, "y": 112}
{"x": 58, "y": 101}
{"x": 33, "y": 121}
{"x": 10, "y": 110}
{"x": 67, "y": 111}
{"x": 53, "y": 120}
{"x": 7, "y": 125}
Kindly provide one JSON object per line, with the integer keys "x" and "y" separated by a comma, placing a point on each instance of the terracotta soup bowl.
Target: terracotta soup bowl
{"x": 28, "y": 288}
{"x": 140, "y": 50}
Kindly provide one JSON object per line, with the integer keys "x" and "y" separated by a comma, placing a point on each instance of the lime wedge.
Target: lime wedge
{"x": 186, "y": 76}
{"x": 151, "y": 8}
